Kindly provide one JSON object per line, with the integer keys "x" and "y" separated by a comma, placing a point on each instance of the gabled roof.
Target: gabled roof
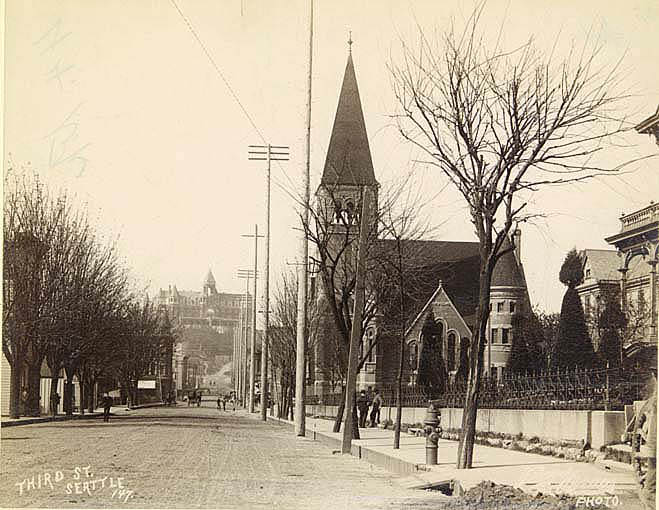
{"x": 348, "y": 160}
{"x": 646, "y": 126}
{"x": 454, "y": 263}
{"x": 603, "y": 264}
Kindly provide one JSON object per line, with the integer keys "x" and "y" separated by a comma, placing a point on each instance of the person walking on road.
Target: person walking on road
{"x": 219, "y": 403}
{"x": 55, "y": 403}
{"x": 199, "y": 400}
{"x": 362, "y": 406}
{"x": 107, "y": 404}
{"x": 375, "y": 410}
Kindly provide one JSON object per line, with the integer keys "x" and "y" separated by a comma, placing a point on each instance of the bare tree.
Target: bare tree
{"x": 282, "y": 336}
{"x": 401, "y": 223}
{"x": 31, "y": 216}
{"x": 500, "y": 125}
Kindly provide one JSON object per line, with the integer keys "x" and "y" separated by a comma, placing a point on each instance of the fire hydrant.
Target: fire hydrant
{"x": 432, "y": 430}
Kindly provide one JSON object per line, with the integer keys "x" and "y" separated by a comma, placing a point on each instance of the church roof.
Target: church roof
{"x": 454, "y": 263}
{"x": 348, "y": 160}
{"x": 210, "y": 279}
{"x": 457, "y": 265}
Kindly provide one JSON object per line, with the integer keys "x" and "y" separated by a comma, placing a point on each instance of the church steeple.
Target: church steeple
{"x": 348, "y": 160}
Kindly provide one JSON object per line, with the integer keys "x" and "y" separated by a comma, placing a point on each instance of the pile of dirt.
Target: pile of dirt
{"x": 490, "y": 495}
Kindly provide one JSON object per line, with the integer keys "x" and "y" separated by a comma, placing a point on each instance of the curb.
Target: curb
{"x": 392, "y": 464}
{"x": 47, "y": 419}
{"x": 64, "y": 417}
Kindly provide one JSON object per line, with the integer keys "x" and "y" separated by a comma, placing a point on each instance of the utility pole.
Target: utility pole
{"x": 356, "y": 332}
{"x": 246, "y": 274}
{"x": 261, "y": 153}
{"x": 300, "y": 359}
{"x": 252, "y": 354}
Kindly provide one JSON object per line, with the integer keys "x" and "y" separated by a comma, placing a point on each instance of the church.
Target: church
{"x": 443, "y": 293}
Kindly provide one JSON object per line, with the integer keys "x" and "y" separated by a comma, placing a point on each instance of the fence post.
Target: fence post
{"x": 607, "y": 403}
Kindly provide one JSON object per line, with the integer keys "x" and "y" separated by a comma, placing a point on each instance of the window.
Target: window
{"x": 414, "y": 351}
{"x": 504, "y": 336}
{"x": 588, "y": 273}
{"x": 641, "y": 300}
{"x": 500, "y": 307}
{"x": 450, "y": 354}
{"x": 495, "y": 335}
{"x": 370, "y": 340}
{"x": 587, "y": 306}
{"x": 512, "y": 307}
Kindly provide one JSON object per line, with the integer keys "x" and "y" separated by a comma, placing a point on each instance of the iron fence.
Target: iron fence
{"x": 586, "y": 389}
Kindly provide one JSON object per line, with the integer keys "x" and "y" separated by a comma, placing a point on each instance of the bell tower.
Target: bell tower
{"x": 348, "y": 170}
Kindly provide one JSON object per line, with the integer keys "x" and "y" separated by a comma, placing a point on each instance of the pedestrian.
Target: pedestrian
{"x": 55, "y": 403}
{"x": 219, "y": 403}
{"x": 375, "y": 410}
{"x": 362, "y": 406}
{"x": 107, "y": 404}
{"x": 224, "y": 402}
{"x": 199, "y": 399}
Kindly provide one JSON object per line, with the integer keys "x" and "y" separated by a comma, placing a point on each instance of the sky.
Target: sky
{"x": 120, "y": 104}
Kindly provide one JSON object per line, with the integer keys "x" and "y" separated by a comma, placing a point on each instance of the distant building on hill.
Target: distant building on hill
{"x": 219, "y": 313}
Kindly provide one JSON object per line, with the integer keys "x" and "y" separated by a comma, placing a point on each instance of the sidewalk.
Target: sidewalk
{"x": 529, "y": 472}
{"x": 6, "y": 421}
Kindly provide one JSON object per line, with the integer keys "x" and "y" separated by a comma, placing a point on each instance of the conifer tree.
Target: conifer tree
{"x": 432, "y": 371}
{"x": 526, "y": 351}
{"x": 574, "y": 348}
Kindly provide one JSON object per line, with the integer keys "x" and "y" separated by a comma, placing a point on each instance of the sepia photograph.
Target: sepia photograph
{"x": 329, "y": 254}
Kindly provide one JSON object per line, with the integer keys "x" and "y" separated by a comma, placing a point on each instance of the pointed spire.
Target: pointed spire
{"x": 348, "y": 158}
{"x": 210, "y": 279}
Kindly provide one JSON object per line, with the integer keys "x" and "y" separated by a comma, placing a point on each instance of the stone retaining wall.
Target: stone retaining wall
{"x": 598, "y": 428}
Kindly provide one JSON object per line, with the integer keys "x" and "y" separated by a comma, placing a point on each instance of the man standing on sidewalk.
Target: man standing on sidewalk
{"x": 375, "y": 410}
{"x": 107, "y": 404}
{"x": 362, "y": 405}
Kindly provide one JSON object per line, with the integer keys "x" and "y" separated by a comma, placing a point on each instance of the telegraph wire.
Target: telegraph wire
{"x": 233, "y": 94}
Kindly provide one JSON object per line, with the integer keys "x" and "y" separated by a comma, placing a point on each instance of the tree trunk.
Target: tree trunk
{"x": 15, "y": 388}
{"x": 83, "y": 392}
{"x": 135, "y": 398}
{"x": 54, "y": 380}
{"x": 33, "y": 389}
{"x": 355, "y": 418}
{"x": 468, "y": 430}
{"x": 92, "y": 395}
{"x": 69, "y": 397}
{"x": 339, "y": 412}
{"x": 401, "y": 361}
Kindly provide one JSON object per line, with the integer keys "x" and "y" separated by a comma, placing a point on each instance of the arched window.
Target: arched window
{"x": 413, "y": 348}
{"x": 338, "y": 211}
{"x": 350, "y": 212}
{"x": 450, "y": 351}
{"x": 369, "y": 341}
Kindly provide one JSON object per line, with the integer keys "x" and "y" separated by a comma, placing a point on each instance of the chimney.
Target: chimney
{"x": 517, "y": 241}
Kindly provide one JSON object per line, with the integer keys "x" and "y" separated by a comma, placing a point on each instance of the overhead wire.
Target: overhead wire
{"x": 234, "y": 95}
